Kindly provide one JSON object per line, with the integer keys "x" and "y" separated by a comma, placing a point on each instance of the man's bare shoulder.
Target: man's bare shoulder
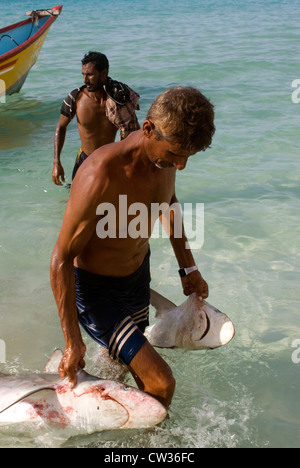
{"x": 114, "y": 156}
{"x": 106, "y": 166}
{"x": 82, "y": 96}
{"x": 99, "y": 169}
{"x": 105, "y": 157}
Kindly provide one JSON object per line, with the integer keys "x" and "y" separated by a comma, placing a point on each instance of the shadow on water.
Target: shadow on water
{"x": 22, "y": 119}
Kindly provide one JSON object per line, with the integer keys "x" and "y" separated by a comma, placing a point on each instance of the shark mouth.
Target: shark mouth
{"x": 207, "y": 327}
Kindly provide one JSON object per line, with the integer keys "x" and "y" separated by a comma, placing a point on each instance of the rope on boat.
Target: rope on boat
{"x": 7, "y": 35}
{"x": 35, "y": 15}
{"x": 44, "y": 12}
{"x": 10, "y": 37}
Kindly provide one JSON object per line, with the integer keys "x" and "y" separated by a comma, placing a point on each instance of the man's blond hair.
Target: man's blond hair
{"x": 185, "y": 116}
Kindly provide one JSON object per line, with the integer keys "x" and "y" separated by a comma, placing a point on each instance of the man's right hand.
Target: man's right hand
{"x": 72, "y": 361}
{"x": 57, "y": 173}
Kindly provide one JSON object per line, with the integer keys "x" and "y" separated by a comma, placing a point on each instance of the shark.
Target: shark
{"x": 195, "y": 324}
{"x": 44, "y": 399}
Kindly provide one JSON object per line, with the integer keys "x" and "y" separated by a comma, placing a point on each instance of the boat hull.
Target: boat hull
{"x": 16, "y": 64}
{"x": 14, "y": 71}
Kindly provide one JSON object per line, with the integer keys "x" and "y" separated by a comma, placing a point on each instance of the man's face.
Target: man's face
{"x": 165, "y": 154}
{"x": 92, "y": 78}
{"x": 168, "y": 154}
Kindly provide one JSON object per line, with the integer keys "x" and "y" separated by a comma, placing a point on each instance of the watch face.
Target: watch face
{"x": 182, "y": 272}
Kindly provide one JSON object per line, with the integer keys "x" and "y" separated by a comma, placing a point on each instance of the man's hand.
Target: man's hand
{"x": 57, "y": 173}
{"x": 72, "y": 362}
{"x": 195, "y": 283}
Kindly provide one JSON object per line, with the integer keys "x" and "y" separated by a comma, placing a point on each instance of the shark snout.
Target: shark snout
{"x": 142, "y": 409}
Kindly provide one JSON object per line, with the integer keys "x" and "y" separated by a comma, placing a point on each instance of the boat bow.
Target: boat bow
{"x": 20, "y": 45}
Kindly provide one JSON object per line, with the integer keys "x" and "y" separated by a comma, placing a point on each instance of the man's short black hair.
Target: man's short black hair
{"x": 99, "y": 60}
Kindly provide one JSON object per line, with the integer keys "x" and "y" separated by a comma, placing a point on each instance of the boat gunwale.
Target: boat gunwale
{"x": 32, "y": 39}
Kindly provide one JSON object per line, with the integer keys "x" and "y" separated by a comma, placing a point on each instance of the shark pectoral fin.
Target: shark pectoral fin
{"x": 14, "y": 400}
{"x": 52, "y": 365}
{"x": 159, "y": 337}
{"x": 160, "y": 303}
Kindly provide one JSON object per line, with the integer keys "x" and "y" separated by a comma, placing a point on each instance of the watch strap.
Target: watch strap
{"x": 186, "y": 271}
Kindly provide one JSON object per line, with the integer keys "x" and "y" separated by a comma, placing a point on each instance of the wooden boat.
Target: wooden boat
{"x": 20, "y": 45}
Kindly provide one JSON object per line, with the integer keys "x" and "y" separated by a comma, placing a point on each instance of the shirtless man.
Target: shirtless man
{"x": 110, "y": 294}
{"x": 102, "y": 106}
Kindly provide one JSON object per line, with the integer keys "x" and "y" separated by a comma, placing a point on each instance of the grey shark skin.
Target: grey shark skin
{"x": 93, "y": 405}
{"x": 195, "y": 324}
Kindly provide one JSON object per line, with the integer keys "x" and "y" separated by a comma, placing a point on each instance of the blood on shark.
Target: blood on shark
{"x": 93, "y": 405}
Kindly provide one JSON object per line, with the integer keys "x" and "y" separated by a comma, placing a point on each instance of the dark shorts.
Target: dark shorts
{"x": 115, "y": 311}
{"x": 81, "y": 156}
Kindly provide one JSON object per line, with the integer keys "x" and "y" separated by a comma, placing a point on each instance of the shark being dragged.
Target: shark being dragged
{"x": 45, "y": 400}
{"x": 195, "y": 324}
{"x": 93, "y": 405}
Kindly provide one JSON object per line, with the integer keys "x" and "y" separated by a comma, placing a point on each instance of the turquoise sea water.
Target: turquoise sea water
{"x": 244, "y": 55}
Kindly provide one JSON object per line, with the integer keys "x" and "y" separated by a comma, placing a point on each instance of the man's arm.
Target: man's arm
{"x": 193, "y": 282}
{"x": 59, "y": 140}
{"x": 63, "y": 287}
{"x": 77, "y": 228}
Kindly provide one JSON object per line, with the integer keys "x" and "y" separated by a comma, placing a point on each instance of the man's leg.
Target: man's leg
{"x": 152, "y": 374}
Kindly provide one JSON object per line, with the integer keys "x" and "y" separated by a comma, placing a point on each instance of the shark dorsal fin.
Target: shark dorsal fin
{"x": 52, "y": 365}
{"x": 160, "y": 303}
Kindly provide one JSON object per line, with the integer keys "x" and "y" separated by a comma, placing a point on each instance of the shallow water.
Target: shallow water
{"x": 244, "y": 56}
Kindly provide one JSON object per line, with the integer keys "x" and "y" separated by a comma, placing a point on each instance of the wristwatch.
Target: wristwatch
{"x": 186, "y": 271}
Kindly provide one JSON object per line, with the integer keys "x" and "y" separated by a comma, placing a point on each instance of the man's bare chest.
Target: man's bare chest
{"x": 90, "y": 112}
{"x": 146, "y": 190}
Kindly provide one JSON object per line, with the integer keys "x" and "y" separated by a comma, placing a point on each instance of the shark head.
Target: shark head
{"x": 191, "y": 323}
{"x": 195, "y": 324}
{"x": 139, "y": 409}
{"x": 98, "y": 403}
